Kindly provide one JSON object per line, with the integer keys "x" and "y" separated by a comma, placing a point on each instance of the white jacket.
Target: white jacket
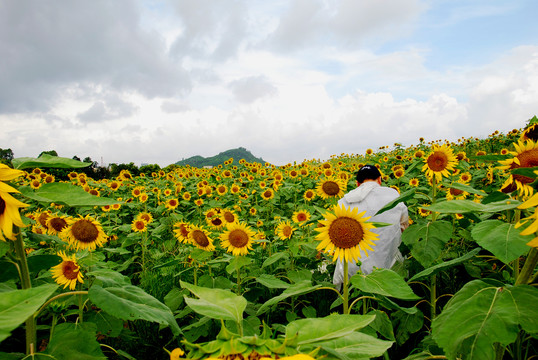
{"x": 371, "y": 196}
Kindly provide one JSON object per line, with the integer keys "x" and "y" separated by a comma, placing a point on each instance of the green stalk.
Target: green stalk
{"x": 346, "y": 288}
{"x": 528, "y": 268}
{"x": 433, "y": 296}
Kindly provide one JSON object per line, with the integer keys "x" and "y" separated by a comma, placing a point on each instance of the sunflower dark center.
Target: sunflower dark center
{"x": 216, "y": 221}
{"x": 345, "y": 232}
{"x": 455, "y": 192}
{"x": 84, "y": 231}
{"x": 301, "y": 216}
{"x": 286, "y": 231}
{"x": 70, "y": 270}
{"x": 200, "y": 238}
{"x": 42, "y": 219}
{"x": 2, "y": 206}
{"x": 309, "y": 194}
{"x": 184, "y": 231}
{"x": 438, "y": 161}
{"x": 330, "y": 188}
{"x": 527, "y": 158}
{"x": 229, "y": 217}
{"x": 267, "y": 193}
{"x": 140, "y": 225}
{"x": 58, "y": 224}
{"x": 238, "y": 238}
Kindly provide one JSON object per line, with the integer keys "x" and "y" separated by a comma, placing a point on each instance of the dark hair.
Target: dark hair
{"x": 367, "y": 172}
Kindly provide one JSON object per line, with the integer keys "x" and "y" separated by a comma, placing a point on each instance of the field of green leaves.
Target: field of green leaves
{"x": 226, "y": 262}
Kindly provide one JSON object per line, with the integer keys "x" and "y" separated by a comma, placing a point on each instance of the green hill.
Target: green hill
{"x": 236, "y": 154}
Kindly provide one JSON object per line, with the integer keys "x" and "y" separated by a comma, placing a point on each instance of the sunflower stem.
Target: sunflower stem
{"x": 346, "y": 288}
{"x": 433, "y": 296}
{"x": 528, "y": 268}
{"x": 26, "y": 283}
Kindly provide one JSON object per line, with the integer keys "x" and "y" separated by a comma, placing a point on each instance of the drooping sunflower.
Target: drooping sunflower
{"x": 439, "y": 162}
{"x": 146, "y": 216}
{"x": 300, "y": 216}
{"x": 345, "y": 233}
{"x": 530, "y": 133}
{"x": 331, "y": 188}
{"x": 199, "y": 237}
{"x": 84, "y": 233}
{"x": 526, "y": 155}
{"x": 237, "y": 238}
{"x": 67, "y": 273}
{"x": 284, "y": 230}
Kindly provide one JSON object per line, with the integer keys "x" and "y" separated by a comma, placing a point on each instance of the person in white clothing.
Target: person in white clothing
{"x": 370, "y": 196}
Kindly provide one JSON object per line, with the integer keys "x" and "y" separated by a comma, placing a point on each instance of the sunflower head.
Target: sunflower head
{"x": 284, "y": 230}
{"x": 237, "y": 238}
{"x": 331, "y": 188}
{"x": 84, "y": 233}
{"x": 526, "y": 155}
{"x": 301, "y": 216}
{"x": 199, "y": 237}
{"x": 345, "y": 233}
{"x": 440, "y": 162}
{"x": 67, "y": 273}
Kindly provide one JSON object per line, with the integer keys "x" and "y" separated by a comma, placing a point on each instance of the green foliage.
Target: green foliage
{"x": 236, "y": 154}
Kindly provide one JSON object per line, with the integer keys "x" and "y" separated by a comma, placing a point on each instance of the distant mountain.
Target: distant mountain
{"x": 237, "y": 154}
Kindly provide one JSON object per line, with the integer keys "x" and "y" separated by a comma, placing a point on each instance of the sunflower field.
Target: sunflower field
{"x": 236, "y": 261}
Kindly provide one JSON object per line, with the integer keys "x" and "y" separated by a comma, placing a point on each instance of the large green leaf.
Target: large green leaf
{"x": 272, "y": 282}
{"x": 65, "y": 194}
{"x": 297, "y": 289}
{"x": 75, "y": 341}
{"x": 354, "y": 346}
{"x": 384, "y": 282}
{"x": 48, "y": 161}
{"x": 446, "y": 264}
{"x": 427, "y": 240}
{"x": 315, "y": 330}
{"x": 480, "y": 315}
{"x": 131, "y": 303}
{"x": 501, "y": 239}
{"x": 274, "y": 258}
{"x": 216, "y": 303}
{"x": 18, "y": 305}
{"x": 409, "y": 194}
{"x": 406, "y": 323}
{"x": 464, "y": 206}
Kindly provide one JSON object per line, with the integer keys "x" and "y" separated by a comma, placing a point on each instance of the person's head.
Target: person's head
{"x": 368, "y": 172}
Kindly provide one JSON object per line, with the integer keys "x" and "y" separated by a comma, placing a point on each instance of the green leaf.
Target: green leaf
{"x": 65, "y": 194}
{"x": 105, "y": 323}
{"x": 467, "y": 188}
{"x": 480, "y": 315}
{"x": 216, "y": 303}
{"x": 407, "y": 195}
{"x": 464, "y": 206}
{"x": 355, "y": 346}
{"x": 131, "y": 303}
{"x": 501, "y": 239}
{"x": 48, "y": 161}
{"x": 427, "y": 240}
{"x": 107, "y": 277}
{"x": 75, "y": 341}
{"x": 237, "y": 263}
{"x": 384, "y": 282}
{"x": 382, "y": 324}
{"x": 406, "y": 323}
{"x": 272, "y": 282}
{"x": 274, "y": 258}
{"x": 446, "y": 264}
{"x": 18, "y": 305}
{"x": 310, "y": 331}
{"x": 297, "y": 289}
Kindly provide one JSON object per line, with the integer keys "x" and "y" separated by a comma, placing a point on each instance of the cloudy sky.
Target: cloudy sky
{"x": 155, "y": 81}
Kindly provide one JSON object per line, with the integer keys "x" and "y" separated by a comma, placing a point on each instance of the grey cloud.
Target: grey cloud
{"x": 170, "y": 107}
{"x": 211, "y": 29}
{"x": 249, "y": 89}
{"x": 112, "y": 107}
{"x": 48, "y": 47}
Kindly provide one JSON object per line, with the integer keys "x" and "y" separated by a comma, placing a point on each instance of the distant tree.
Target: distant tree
{"x": 149, "y": 168}
{"x": 115, "y": 169}
{"x": 6, "y": 155}
{"x": 50, "y": 152}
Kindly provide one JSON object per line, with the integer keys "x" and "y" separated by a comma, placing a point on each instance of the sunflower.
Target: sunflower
{"x": 84, "y": 233}
{"x": 235, "y": 189}
{"x": 268, "y": 194}
{"x": 309, "y": 195}
{"x": 229, "y": 216}
{"x": 526, "y": 155}
{"x": 439, "y": 162}
{"x": 199, "y": 202}
{"x": 331, "y": 188}
{"x": 114, "y": 185}
{"x": 530, "y": 133}
{"x": 56, "y": 224}
{"x": 345, "y": 233}
{"x": 300, "y": 216}
{"x": 171, "y": 204}
{"x": 465, "y": 178}
{"x": 67, "y": 273}
{"x": 413, "y": 182}
{"x": 9, "y": 206}
{"x": 237, "y": 238}
{"x": 398, "y": 173}
{"x": 199, "y": 237}
{"x": 182, "y": 231}
{"x": 146, "y": 216}
{"x": 423, "y": 212}
{"x": 35, "y": 184}
{"x": 139, "y": 225}
{"x": 284, "y": 230}
{"x": 222, "y": 189}
{"x": 456, "y": 194}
